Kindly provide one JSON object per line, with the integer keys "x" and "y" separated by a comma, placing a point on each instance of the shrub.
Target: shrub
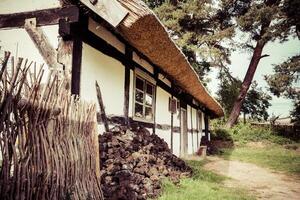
{"x": 244, "y": 133}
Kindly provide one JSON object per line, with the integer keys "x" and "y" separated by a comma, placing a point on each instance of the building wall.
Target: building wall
{"x": 102, "y": 32}
{"x": 162, "y": 115}
{"x": 109, "y": 73}
{"x": 176, "y": 135}
{"x": 18, "y": 42}
{"x": 13, "y": 6}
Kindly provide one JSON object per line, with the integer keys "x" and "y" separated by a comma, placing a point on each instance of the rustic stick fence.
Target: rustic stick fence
{"x": 48, "y": 139}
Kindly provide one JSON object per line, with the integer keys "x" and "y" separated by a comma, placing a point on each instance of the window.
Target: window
{"x": 144, "y": 95}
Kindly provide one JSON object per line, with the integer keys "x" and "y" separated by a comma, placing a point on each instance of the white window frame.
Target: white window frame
{"x": 147, "y": 78}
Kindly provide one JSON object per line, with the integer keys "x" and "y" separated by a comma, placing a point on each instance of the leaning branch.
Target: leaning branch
{"x": 263, "y": 56}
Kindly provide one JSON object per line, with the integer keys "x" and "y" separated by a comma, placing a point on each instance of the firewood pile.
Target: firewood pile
{"x": 133, "y": 163}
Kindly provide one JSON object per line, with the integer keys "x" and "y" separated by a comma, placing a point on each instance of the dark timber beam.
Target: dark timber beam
{"x": 43, "y": 17}
{"x": 42, "y": 43}
{"x": 206, "y": 126}
{"x": 128, "y": 54}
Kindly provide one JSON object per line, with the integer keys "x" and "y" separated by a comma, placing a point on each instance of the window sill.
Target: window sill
{"x": 143, "y": 120}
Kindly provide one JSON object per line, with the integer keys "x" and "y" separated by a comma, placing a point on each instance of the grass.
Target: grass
{"x": 273, "y": 156}
{"x": 208, "y": 185}
{"x": 202, "y": 185}
{"x": 244, "y": 133}
{"x": 271, "y": 152}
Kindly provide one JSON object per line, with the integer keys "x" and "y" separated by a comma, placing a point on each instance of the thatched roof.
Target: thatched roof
{"x": 144, "y": 31}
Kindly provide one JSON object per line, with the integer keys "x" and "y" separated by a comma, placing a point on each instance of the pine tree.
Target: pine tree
{"x": 260, "y": 22}
{"x": 285, "y": 82}
{"x": 197, "y": 29}
{"x": 256, "y": 102}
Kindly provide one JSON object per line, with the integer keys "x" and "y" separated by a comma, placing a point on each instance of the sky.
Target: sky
{"x": 278, "y": 52}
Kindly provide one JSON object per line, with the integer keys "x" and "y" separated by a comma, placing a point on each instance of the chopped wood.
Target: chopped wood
{"x": 134, "y": 162}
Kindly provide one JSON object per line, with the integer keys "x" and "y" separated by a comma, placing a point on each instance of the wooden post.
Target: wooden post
{"x": 42, "y": 44}
{"x": 172, "y": 136}
{"x": 128, "y": 54}
{"x": 206, "y": 126}
{"x": 192, "y": 129}
{"x": 102, "y": 109}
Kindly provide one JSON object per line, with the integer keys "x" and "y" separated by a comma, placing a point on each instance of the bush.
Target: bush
{"x": 221, "y": 134}
{"x": 244, "y": 133}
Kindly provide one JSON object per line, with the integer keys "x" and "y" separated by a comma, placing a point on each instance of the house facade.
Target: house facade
{"x": 145, "y": 79}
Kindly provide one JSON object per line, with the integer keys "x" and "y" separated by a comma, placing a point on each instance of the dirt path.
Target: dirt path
{"x": 263, "y": 182}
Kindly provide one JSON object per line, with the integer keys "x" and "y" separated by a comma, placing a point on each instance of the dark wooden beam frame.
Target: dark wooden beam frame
{"x": 206, "y": 130}
{"x": 43, "y": 17}
{"x": 76, "y": 66}
{"x": 128, "y": 54}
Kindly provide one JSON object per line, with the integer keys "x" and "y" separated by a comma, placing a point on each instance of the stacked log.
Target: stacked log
{"x": 133, "y": 164}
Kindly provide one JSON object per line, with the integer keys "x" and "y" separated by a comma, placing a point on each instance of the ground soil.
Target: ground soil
{"x": 263, "y": 183}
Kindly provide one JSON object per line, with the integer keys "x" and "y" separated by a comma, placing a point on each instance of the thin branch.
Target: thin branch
{"x": 263, "y": 56}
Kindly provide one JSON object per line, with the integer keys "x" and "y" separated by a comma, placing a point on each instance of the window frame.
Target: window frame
{"x": 151, "y": 81}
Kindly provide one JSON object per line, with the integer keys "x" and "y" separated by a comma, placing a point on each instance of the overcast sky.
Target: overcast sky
{"x": 278, "y": 53}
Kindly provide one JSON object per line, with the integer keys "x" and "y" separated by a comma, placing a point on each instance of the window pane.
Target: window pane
{"x": 149, "y": 100}
{"x": 139, "y": 96}
{"x": 139, "y": 83}
{"x": 138, "y": 112}
{"x": 148, "y": 113}
{"x": 149, "y": 89}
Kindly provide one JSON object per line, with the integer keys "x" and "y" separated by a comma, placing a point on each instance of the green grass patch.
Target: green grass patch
{"x": 243, "y": 133}
{"x": 202, "y": 185}
{"x": 272, "y": 156}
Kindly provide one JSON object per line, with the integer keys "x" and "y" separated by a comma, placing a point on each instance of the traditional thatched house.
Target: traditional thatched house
{"x": 144, "y": 77}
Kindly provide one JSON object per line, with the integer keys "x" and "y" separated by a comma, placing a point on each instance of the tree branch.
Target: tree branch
{"x": 263, "y": 56}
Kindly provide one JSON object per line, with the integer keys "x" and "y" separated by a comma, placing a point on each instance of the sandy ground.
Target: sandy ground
{"x": 262, "y": 182}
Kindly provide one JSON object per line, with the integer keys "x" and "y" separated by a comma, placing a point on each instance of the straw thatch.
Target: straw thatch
{"x": 49, "y": 146}
{"x": 143, "y": 30}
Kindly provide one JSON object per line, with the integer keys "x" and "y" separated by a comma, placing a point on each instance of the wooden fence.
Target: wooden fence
{"x": 48, "y": 139}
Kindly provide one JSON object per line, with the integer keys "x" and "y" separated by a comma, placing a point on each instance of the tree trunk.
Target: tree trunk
{"x": 246, "y": 84}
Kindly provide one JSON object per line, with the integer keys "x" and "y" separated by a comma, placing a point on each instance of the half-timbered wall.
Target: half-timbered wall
{"x": 109, "y": 73}
{"x": 176, "y": 132}
{"x": 163, "y": 116}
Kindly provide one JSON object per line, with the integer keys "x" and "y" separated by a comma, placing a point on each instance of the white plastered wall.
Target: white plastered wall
{"x": 189, "y": 126}
{"x": 176, "y": 135}
{"x": 105, "y": 34}
{"x": 109, "y": 73}
{"x": 163, "y": 116}
{"x": 194, "y": 127}
{"x": 193, "y": 140}
{"x": 14, "y": 6}
{"x": 131, "y": 89}
{"x": 18, "y": 42}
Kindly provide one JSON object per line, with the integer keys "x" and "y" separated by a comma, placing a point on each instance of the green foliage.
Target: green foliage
{"x": 255, "y": 104}
{"x": 243, "y": 133}
{"x": 195, "y": 28}
{"x": 228, "y": 90}
{"x": 273, "y": 156}
{"x": 221, "y": 134}
{"x": 203, "y": 185}
{"x": 284, "y": 82}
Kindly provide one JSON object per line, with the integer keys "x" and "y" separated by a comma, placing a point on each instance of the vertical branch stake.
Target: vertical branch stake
{"x": 102, "y": 110}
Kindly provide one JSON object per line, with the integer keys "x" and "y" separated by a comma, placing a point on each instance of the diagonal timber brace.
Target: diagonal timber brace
{"x": 42, "y": 44}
